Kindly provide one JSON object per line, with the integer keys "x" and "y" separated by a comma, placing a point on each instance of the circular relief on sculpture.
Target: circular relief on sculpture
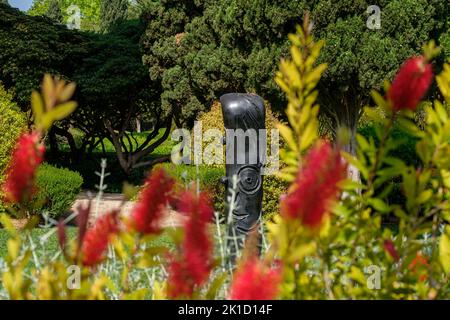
{"x": 249, "y": 179}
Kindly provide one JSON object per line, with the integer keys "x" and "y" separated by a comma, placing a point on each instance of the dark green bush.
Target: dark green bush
{"x": 405, "y": 152}
{"x": 58, "y": 189}
{"x": 274, "y": 187}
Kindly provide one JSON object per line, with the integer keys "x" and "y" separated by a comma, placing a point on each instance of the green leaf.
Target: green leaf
{"x": 37, "y": 106}
{"x": 6, "y": 222}
{"x": 410, "y": 127}
{"x": 215, "y": 286}
{"x": 379, "y": 100}
{"x": 379, "y": 205}
{"x": 288, "y": 136}
{"x": 444, "y": 250}
{"x": 424, "y": 196}
{"x": 58, "y": 113}
{"x": 357, "y": 275}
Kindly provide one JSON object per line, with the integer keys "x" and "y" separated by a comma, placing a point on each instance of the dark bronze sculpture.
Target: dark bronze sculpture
{"x": 244, "y": 116}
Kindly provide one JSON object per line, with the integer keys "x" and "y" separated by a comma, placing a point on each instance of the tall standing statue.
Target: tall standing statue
{"x": 244, "y": 117}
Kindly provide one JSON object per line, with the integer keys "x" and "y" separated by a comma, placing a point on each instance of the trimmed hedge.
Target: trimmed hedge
{"x": 58, "y": 189}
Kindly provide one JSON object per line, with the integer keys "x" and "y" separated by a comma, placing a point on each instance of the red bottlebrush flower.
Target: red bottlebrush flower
{"x": 255, "y": 281}
{"x": 315, "y": 187}
{"x": 61, "y": 231}
{"x": 20, "y": 174}
{"x": 390, "y": 249}
{"x": 419, "y": 265}
{"x": 410, "y": 84}
{"x": 149, "y": 210}
{"x": 96, "y": 240}
{"x": 82, "y": 222}
{"x": 193, "y": 266}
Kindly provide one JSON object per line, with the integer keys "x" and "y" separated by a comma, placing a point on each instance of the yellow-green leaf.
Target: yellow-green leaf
{"x": 6, "y": 222}
{"x": 444, "y": 250}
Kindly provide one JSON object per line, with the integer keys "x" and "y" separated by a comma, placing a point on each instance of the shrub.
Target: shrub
{"x": 214, "y": 120}
{"x": 58, "y": 189}
{"x": 12, "y": 123}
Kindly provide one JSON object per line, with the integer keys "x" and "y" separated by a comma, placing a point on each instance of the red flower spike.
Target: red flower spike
{"x": 316, "y": 186}
{"x": 193, "y": 266}
{"x": 149, "y": 210}
{"x": 82, "y": 222}
{"x": 410, "y": 84}
{"x": 61, "y": 231}
{"x": 20, "y": 175}
{"x": 96, "y": 240}
{"x": 389, "y": 247}
{"x": 255, "y": 281}
{"x": 419, "y": 265}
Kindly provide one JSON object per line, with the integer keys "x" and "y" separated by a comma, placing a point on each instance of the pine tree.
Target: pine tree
{"x": 54, "y": 11}
{"x": 112, "y": 12}
{"x": 4, "y": 2}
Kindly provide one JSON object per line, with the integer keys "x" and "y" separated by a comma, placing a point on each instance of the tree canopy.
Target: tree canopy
{"x": 199, "y": 50}
{"x": 89, "y": 10}
{"x": 112, "y": 12}
{"x": 54, "y": 11}
{"x": 113, "y": 86}
{"x": 33, "y": 46}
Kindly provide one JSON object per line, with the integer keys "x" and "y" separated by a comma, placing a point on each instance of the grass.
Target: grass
{"x": 209, "y": 176}
{"x": 51, "y": 244}
{"x": 139, "y": 138}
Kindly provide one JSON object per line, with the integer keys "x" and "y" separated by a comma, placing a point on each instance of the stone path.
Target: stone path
{"x": 111, "y": 201}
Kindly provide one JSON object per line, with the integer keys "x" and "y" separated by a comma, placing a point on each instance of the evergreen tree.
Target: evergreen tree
{"x": 199, "y": 50}
{"x": 111, "y": 13}
{"x": 54, "y": 11}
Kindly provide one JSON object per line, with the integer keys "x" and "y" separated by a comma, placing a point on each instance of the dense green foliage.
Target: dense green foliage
{"x": 198, "y": 50}
{"x": 89, "y": 10}
{"x": 58, "y": 189}
{"x": 113, "y": 85}
{"x": 32, "y": 46}
{"x": 112, "y": 12}
{"x": 359, "y": 58}
{"x": 54, "y": 11}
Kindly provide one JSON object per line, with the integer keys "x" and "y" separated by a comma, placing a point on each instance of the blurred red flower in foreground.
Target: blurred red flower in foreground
{"x": 149, "y": 209}
{"x": 410, "y": 84}
{"x": 255, "y": 281}
{"x": 95, "y": 242}
{"x": 419, "y": 266}
{"x": 315, "y": 187}
{"x": 390, "y": 249}
{"x": 20, "y": 174}
{"x": 193, "y": 265}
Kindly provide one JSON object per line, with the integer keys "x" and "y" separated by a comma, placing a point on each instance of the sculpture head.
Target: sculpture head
{"x": 244, "y": 116}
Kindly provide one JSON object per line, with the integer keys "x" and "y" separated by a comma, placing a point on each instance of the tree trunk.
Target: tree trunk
{"x": 138, "y": 125}
{"x": 350, "y": 147}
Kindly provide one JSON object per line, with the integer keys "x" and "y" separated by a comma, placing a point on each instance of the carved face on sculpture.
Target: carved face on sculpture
{"x": 244, "y": 114}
